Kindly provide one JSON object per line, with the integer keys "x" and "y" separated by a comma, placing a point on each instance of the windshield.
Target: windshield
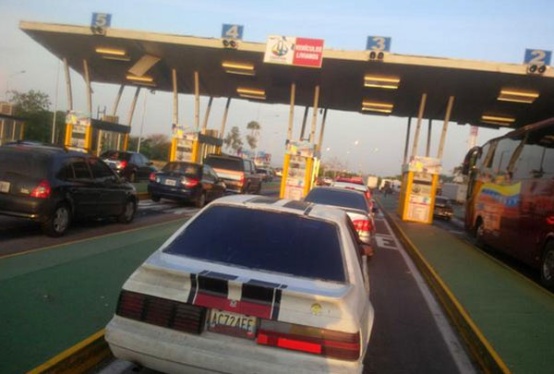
{"x": 224, "y": 163}
{"x": 267, "y": 241}
{"x": 340, "y": 198}
{"x": 189, "y": 170}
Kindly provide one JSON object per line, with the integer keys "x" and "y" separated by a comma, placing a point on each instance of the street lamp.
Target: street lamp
{"x": 8, "y": 82}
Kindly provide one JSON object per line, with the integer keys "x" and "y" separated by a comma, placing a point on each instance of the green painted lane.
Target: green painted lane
{"x": 514, "y": 314}
{"x": 56, "y": 297}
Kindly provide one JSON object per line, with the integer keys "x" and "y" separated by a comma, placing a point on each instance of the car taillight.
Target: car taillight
{"x": 42, "y": 190}
{"x": 242, "y": 180}
{"x": 152, "y": 177}
{"x": 328, "y": 343}
{"x": 161, "y": 312}
{"x": 367, "y": 195}
{"x": 189, "y": 182}
{"x": 362, "y": 225}
{"x": 122, "y": 164}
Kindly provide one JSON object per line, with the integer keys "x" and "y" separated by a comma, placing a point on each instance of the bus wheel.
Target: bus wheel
{"x": 547, "y": 266}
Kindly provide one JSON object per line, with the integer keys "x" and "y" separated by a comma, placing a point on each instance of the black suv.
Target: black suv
{"x": 133, "y": 166}
{"x": 53, "y": 186}
{"x": 239, "y": 174}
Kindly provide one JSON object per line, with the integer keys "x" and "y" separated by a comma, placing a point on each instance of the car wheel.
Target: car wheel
{"x": 129, "y": 210}
{"x": 547, "y": 266}
{"x": 155, "y": 198}
{"x": 201, "y": 200}
{"x": 56, "y": 225}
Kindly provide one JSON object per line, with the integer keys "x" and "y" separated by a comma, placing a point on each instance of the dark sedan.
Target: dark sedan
{"x": 443, "y": 209}
{"x": 186, "y": 181}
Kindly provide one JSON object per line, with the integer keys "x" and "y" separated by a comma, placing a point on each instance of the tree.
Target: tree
{"x": 233, "y": 140}
{"x": 252, "y": 138}
{"x": 34, "y": 107}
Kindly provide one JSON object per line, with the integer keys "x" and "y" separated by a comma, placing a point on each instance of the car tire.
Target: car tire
{"x": 155, "y": 198}
{"x": 200, "y": 200}
{"x": 128, "y": 213}
{"x": 58, "y": 222}
{"x": 547, "y": 266}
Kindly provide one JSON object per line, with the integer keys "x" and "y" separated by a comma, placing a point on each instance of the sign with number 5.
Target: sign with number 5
{"x": 101, "y": 19}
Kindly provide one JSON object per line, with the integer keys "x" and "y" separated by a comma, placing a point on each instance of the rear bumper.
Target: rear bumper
{"x": 24, "y": 207}
{"x": 173, "y": 193}
{"x": 175, "y": 352}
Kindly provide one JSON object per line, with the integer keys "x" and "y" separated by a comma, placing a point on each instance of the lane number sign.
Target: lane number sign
{"x": 232, "y": 31}
{"x": 537, "y": 57}
{"x": 101, "y": 20}
{"x": 378, "y": 43}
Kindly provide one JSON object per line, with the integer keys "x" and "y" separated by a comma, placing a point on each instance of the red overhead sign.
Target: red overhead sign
{"x": 294, "y": 51}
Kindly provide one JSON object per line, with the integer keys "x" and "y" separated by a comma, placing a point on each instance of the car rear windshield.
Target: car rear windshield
{"x": 116, "y": 155}
{"x": 23, "y": 163}
{"x": 266, "y": 241}
{"x": 224, "y": 163}
{"x": 341, "y": 198}
{"x": 189, "y": 170}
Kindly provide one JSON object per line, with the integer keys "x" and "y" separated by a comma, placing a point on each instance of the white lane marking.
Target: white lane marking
{"x": 386, "y": 241}
{"x": 457, "y": 350}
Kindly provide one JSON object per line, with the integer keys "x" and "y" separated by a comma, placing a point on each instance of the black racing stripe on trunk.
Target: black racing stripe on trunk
{"x": 213, "y": 285}
{"x": 276, "y": 304}
{"x": 193, "y": 288}
{"x": 216, "y": 275}
{"x": 257, "y": 293}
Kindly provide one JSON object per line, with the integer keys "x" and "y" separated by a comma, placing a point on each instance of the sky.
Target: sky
{"x": 483, "y": 30}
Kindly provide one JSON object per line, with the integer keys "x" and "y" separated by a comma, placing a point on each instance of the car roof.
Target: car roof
{"x": 283, "y": 205}
{"x": 340, "y": 189}
{"x": 356, "y": 186}
{"x": 36, "y": 148}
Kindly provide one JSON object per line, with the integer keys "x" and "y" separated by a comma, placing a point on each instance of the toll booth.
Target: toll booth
{"x": 193, "y": 146}
{"x": 299, "y": 169}
{"x": 419, "y": 185}
{"x": 92, "y": 135}
{"x": 11, "y": 128}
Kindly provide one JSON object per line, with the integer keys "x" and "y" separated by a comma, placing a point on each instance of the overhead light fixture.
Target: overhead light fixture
{"x": 389, "y": 83}
{"x": 525, "y": 97}
{"x": 497, "y": 120}
{"x": 116, "y": 58}
{"x": 111, "y": 51}
{"x": 238, "y": 68}
{"x": 145, "y": 78}
{"x": 373, "y": 106}
{"x": 251, "y": 93}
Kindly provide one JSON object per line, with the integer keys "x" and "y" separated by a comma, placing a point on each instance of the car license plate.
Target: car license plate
{"x": 170, "y": 182}
{"x": 233, "y": 324}
{"x": 4, "y": 187}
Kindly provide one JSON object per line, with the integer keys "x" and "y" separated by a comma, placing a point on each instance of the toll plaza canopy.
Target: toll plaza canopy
{"x": 487, "y": 94}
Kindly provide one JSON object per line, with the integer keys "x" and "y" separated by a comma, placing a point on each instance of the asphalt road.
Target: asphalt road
{"x": 410, "y": 335}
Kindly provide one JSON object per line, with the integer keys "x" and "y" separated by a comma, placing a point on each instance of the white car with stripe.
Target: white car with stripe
{"x": 250, "y": 285}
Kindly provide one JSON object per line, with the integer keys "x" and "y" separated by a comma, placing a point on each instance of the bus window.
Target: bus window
{"x": 548, "y": 163}
{"x": 528, "y": 164}
{"x": 502, "y": 156}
